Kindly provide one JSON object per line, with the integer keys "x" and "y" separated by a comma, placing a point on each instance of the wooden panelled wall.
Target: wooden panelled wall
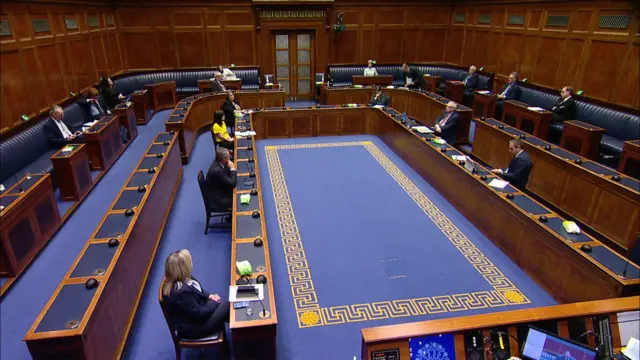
{"x": 41, "y": 68}
{"x": 604, "y": 63}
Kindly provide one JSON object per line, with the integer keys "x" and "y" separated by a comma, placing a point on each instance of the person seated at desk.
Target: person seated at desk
{"x": 379, "y": 98}
{"x": 511, "y": 92}
{"x": 565, "y": 108}
{"x": 90, "y": 104}
{"x": 111, "y": 97}
{"x": 220, "y": 181}
{"x": 519, "y": 167}
{"x": 230, "y": 107}
{"x": 471, "y": 81}
{"x": 226, "y": 73}
{"x": 193, "y": 311}
{"x": 446, "y": 123}
{"x": 219, "y": 130}
{"x": 370, "y": 70}
{"x": 216, "y": 83}
{"x": 57, "y": 131}
{"x": 413, "y": 77}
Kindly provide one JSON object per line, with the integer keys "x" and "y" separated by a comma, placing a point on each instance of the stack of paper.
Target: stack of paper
{"x": 378, "y": 106}
{"x": 390, "y": 87}
{"x": 498, "y": 183}
{"x": 459, "y": 157}
{"x": 422, "y": 129}
{"x": 245, "y": 133}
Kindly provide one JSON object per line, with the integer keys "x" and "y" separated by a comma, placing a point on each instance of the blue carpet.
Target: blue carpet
{"x": 28, "y": 296}
{"x": 366, "y": 241}
{"x": 150, "y": 338}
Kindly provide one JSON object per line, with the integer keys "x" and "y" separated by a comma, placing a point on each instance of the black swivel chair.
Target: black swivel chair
{"x": 214, "y": 340}
{"x": 210, "y": 213}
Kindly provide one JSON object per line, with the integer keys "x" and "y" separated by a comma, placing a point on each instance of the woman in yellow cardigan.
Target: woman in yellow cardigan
{"x": 219, "y": 130}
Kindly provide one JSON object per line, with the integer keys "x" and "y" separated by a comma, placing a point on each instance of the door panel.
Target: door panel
{"x": 294, "y": 63}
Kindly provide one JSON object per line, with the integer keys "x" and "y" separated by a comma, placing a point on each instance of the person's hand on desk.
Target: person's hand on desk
{"x": 214, "y": 297}
{"x": 497, "y": 171}
{"x": 231, "y": 139}
{"x": 500, "y": 96}
{"x": 409, "y": 84}
{"x": 437, "y": 128}
{"x": 120, "y": 96}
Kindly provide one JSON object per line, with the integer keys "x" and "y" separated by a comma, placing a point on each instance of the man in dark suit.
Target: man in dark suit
{"x": 216, "y": 85}
{"x": 565, "y": 108}
{"x": 379, "y": 98}
{"x": 58, "y": 133}
{"x": 446, "y": 123}
{"x": 221, "y": 180}
{"x": 413, "y": 77}
{"x": 471, "y": 81}
{"x": 94, "y": 108}
{"x": 519, "y": 167}
{"x": 511, "y": 92}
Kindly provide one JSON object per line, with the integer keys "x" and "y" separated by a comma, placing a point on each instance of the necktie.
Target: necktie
{"x": 444, "y": 121}
{"x": 222, "y": 86}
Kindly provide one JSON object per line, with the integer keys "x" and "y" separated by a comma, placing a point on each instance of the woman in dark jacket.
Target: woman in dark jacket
{"x": 109, "y": 93}
{"x": 194, "y": 312}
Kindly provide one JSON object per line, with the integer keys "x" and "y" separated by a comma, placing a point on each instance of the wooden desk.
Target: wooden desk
{"x": 232, "y": 84}
{"x": 518, "y": 115}
{"x": 254, "y": 336}
{"x": 28, "y": 219}
{"x": 127, "y": 116}
{"x": 582, "y": 138}
{"x": 162, "y": 95}
{"x": 514, "y": 323}
{"x": 431, "y": 82}
{"x": 142, "y": 107}
{"x": 103, "y": 142}
{"x": 194, "y": 114}
{"x": 94, "y": 323}
{"x": 382, "y": 80}
{"x": 585, "y": 191}
{"x": 71, "y": 171}
{"x": 453, "y": 90}
{"x": 424, "y": 106}
{"x": 484, "y": 104}
{"x": 630, "y": 161}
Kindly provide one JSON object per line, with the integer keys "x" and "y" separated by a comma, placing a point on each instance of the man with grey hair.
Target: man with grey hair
{"x": 446, "y": 123}
{"x": 216, "y": 85}
{"x": 220, "y": 181}
{"x": 58, "y": 133}
{"x": 511, "y": 92}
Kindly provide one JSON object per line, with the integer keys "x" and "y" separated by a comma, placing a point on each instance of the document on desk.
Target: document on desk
{"x": 245, "y": 293}
{"x": 498, "y": 183}
{"x": 485, "y": 92}
{"x": 243, "y": 134}
{"x": 535, "y": 108}
{"x": 460, "y": 157}
{"x": 423, "y": 129}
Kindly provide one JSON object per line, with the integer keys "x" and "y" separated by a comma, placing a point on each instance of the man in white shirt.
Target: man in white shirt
{"x": 370, "y": 70}
{"x": 58, "y": 133}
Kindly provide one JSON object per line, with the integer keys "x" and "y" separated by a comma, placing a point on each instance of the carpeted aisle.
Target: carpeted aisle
{"x": 373, "y": 254}
{"x": 28, "y": 296}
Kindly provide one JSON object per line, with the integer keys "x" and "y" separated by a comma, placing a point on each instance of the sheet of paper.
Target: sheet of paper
{"x": 251, "y": 296}
{"x": 535, "y": 108}
{"x": 459, "y": 157}
{"x": 423, "y": 129}
{"x": 498, "y": 183}
{"x": 378, "y": 106}
{"x": 486, "y": 92}
{"x": 245, "y": 133}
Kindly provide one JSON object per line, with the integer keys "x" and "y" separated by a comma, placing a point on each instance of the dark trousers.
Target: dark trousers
{"x": 214, "y": 323}
{"x": 498, "y": 112}
{"x": 226, "y": 144}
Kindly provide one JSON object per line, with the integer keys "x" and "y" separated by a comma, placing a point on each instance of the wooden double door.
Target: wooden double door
{"x": 294, "y": 63}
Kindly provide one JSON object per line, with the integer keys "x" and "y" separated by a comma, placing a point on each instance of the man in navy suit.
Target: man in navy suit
{"x": 519, "y": 167}
{"x": 511, "y": 92}
{"x": 446, "y": 123}
{"x": 57, "y": 131}
{"x": 216, "y": 84}
{"x": 471, "y": 81}
{"x": 413, "y": 78}
{"x": 221, "y": 180}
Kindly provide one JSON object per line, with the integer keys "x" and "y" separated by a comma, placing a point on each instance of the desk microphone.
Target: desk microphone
{"x": 15, "y": 176}
{"x": 624, "y": 271}
{"x": 252, "y": 170}
{"x": 255, "y": 291}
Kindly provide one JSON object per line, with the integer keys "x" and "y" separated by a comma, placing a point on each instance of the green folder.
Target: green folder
{"x": 244, "y": 268}
{"x": 245, "y": 199}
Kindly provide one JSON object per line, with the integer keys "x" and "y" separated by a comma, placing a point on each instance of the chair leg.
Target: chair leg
{"x": 178, "y": 352}
{"x": 206, "y": 225}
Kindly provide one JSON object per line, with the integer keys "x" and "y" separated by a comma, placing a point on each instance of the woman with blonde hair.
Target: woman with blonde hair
{"x": 194, "y": 312}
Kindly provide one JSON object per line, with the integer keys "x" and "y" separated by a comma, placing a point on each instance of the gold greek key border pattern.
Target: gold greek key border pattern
{"x": 306, "y": 303}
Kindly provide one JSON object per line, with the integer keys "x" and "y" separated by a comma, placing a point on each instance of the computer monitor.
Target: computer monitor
{"x": 542, "y": 345}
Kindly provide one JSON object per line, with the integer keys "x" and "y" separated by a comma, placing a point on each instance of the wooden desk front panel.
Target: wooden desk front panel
{"x": 311, "y": 123}
{"x": 72, "y": 174}
{"x": 517, "y": 234}
{"x": 104, "y": 146}
{"x": 608, "y": 208}
{"x": 26, "y": 226}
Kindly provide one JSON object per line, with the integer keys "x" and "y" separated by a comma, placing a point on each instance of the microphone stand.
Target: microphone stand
{"x": 623, "y": 276}
{"x": 15, "y": 176}
{"x": 264, "y": 312}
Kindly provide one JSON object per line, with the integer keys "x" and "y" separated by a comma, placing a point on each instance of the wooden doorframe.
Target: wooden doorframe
{"x": 293, "y": 54}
